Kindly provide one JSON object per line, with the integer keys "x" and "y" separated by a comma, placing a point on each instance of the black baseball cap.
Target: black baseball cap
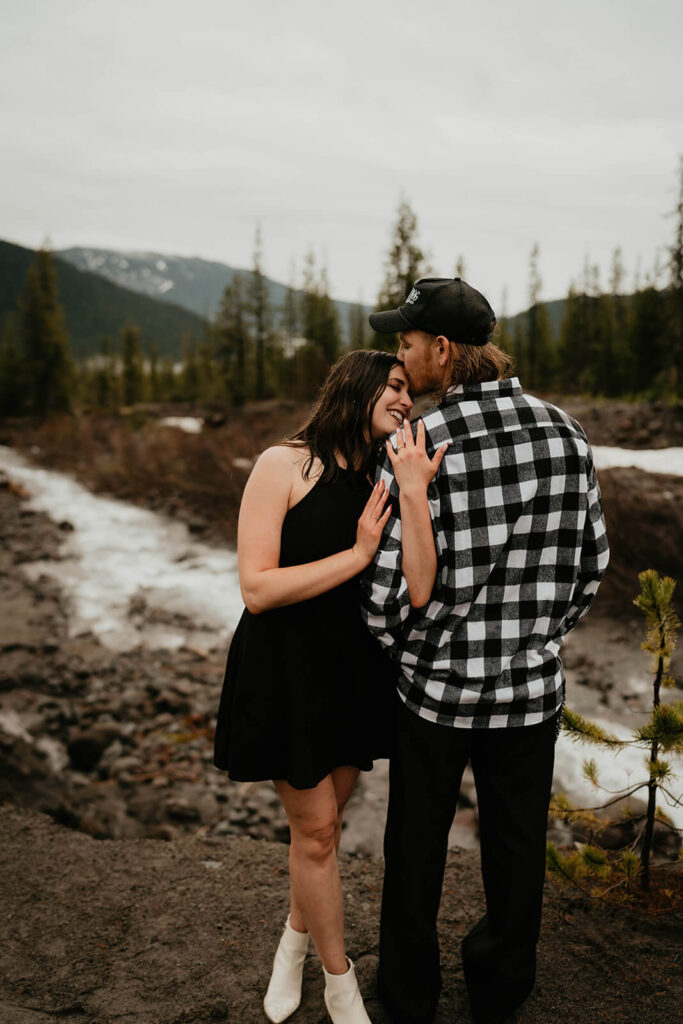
{"x": 441, "y": 305}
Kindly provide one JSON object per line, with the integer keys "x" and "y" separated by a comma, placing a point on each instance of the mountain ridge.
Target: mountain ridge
{"x": 95, "y": 307}
{"x": 192, "y": 282}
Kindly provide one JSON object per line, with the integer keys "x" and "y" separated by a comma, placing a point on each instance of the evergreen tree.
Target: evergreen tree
{"x": 190, "y": 374}
{"x": 662, "y": 733}
{"x": 676, "y": 299}
{"x": 14, "y": 384}
{"x": 573, "y": 347}
{"x": 601, "y": 337}
{"x": 503, "y": 335}
{"x": 44, "y": 341}
{"x": 289, "y": 316}
{"x": 133, "y": 378}
{"x": 405, "y": 264}
{"x": 105, "y": 382}
{"x": 169, "y": 389}
{"x": 621, "y": 374}
{"x": 262, "y": 316}
{"x": 154, "y": 393}
{"x": 538, "y": 351}
{"x": 233, "y": 341}
{"x": 319, "y": 320}
{"x": 358, "y": 325}
{"x": 518, "y": 347}
{"x": 648, "y": 336}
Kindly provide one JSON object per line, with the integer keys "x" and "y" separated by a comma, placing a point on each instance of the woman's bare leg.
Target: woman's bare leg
{"x": 343, "y": 779}
{"x": 315, "y": 825}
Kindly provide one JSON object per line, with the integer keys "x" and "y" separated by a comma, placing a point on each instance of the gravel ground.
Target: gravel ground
{"x": 183, "y": 932}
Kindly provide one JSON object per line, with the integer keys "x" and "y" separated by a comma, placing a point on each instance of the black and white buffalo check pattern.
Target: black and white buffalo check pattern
{"x": 521, "y": 547}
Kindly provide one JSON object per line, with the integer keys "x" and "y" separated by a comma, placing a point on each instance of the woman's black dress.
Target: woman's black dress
{"x": 307, "y": 688}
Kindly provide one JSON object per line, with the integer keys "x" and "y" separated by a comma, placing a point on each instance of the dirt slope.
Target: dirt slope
{"x": 183, "y": 932}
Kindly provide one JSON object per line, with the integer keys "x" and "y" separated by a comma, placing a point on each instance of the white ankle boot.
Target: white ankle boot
{"x": 284, "y": 989}
{"x": 343, "y": 999}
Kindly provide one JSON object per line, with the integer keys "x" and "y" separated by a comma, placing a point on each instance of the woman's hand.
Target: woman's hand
{"x": 371, "y": 523}
{"x": 412, "y": 469}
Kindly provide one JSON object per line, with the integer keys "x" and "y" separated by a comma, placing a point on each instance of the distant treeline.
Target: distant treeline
{"x": 606, "y": 343}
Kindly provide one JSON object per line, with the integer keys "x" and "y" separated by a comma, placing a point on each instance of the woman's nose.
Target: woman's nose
{"x": 407, "y": 402}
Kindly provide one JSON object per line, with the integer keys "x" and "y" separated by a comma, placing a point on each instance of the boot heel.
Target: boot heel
{"x": 284, "y": 990}
{"x": 343, "y": 1001}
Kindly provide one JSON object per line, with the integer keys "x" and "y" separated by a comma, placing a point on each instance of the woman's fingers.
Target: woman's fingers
{"x": 385, "y": 515}
{"x": 378, "y": 496}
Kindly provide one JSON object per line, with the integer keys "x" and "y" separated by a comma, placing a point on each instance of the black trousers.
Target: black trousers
{"x": 512, "y": 770}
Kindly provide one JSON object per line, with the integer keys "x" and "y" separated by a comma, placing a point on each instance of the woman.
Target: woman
{"x": 307, "y": 695}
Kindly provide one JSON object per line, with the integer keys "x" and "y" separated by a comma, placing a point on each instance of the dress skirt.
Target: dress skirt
{"x": 307, "y": 689}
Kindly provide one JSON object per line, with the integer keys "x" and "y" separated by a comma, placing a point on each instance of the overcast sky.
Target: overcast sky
{"x": 176, "y": 127}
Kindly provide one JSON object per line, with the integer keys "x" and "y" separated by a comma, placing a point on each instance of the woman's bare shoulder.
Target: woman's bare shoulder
{"x": 283, "y": 456}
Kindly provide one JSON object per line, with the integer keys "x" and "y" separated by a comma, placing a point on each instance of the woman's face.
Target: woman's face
{"x": 392, "y": 406}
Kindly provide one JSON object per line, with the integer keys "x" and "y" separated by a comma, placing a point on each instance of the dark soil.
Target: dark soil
{"x": 183, "y": 933}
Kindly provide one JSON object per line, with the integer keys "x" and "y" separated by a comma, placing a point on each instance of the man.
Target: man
{"x": 521, "y": 548}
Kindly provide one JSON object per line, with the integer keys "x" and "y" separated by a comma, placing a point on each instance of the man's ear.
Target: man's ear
{"x": 443, "y": 350}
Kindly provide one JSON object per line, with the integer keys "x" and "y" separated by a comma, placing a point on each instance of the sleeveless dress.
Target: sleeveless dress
{"x": 307, "y": 688}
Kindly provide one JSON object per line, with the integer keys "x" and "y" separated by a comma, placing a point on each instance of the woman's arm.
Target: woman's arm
{"x": 264, "y": 506}
{"x": 413, "y": 471}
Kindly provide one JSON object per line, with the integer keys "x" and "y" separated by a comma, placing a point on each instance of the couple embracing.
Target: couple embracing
{"x": 407, "y": 594}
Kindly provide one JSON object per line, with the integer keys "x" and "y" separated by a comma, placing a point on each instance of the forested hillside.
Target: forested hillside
{"x": 95, "y": 308}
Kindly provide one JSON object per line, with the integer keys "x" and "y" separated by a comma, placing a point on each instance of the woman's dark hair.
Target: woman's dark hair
{"x": 340, "y": 421}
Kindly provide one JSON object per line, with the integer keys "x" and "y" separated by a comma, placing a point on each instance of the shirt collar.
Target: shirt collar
{"x": 488, "y": 388}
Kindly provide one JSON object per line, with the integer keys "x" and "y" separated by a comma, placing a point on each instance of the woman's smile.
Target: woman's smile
{"x": 392, "y": 406}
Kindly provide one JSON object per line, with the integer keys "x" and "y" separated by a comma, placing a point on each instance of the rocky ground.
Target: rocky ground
{"x": 118, "y": 748}
{"x": 116, "y": 745}
{"x": 183, "y": 932}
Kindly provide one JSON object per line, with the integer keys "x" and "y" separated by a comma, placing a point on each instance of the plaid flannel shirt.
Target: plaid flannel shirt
{"x": 521, "y": 548}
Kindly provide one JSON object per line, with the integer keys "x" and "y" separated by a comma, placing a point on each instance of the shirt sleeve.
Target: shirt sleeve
{"x": 385, "y": 602}
{"x": 594, "y": 556}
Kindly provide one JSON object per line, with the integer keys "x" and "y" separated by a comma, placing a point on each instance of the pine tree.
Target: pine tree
{"x": 169, "y": 386}
{"x": 289, "y": 314}
{"x": 14, "y": 384}
{"x": 319, "y": 320}
{"x": 503, "y": 336}
{"x": 663, "y": 733}
{"x": 44, "y": 341}
{"x": 538, "y": 346}
{"x": 601, "y": 339}
{"x": 190, "y": 375}
{"x": 579, "y": 334}
{"x": 261, "y": 314}
{"x": 105, "y": 383}
{"x": 133, "y": 376}
{"x": 233, "y": 341}
{"x": 648, "y": 339}
{"x": 358, "y": 325}
{"x": 621, "y": 376}
{"x": 154, "y": 392}
{"x": 405, "y": 264}
{"x": 676, "y": 299}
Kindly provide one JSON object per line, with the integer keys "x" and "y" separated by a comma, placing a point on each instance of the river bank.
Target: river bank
{"x": 110, "y": 732}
